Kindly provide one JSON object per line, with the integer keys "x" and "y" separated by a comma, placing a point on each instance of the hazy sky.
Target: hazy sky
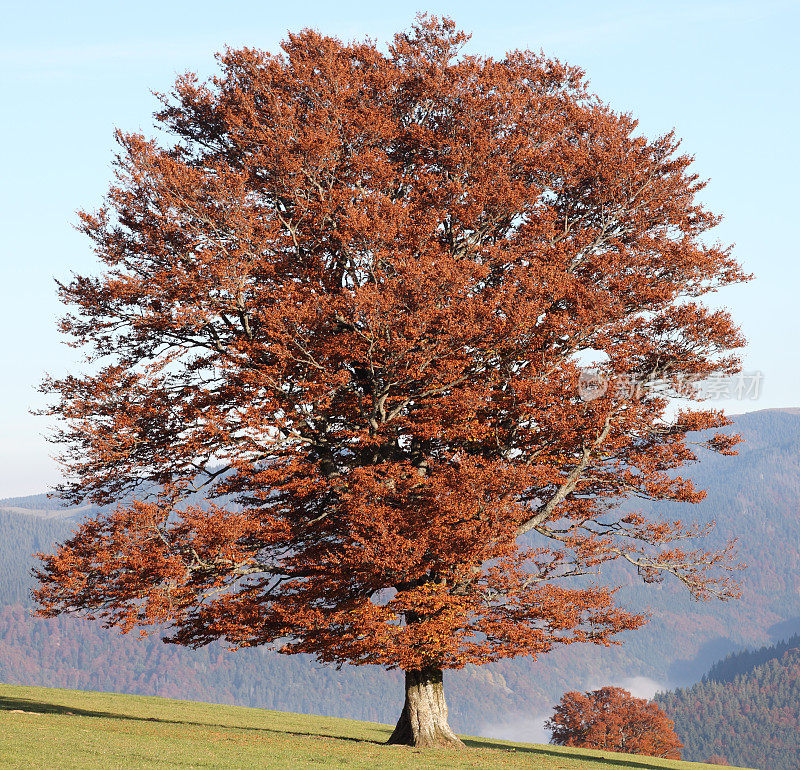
{"x": 724, "y": 74}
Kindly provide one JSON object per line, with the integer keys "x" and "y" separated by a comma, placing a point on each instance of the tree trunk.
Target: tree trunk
{"x": 423, "y": 722}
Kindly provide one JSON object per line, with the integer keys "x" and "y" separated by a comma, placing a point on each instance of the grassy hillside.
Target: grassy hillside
{"x": 42, "y": 727}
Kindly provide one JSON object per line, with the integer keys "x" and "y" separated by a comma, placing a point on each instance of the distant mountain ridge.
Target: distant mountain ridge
{"x": 743, "y": 662}
{"x": 47, "y": 506}
{"x": 755, "y": 496}
{"x": 31, "y": 502}
{"x": 42, "y": 506}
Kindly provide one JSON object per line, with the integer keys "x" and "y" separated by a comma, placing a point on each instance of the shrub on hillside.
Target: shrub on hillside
{"x": 612, "y": 719}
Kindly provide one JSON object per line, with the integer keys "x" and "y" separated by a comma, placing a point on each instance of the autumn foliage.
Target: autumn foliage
{"x": 612, "y": 719}
{"x": 350, "y": 305}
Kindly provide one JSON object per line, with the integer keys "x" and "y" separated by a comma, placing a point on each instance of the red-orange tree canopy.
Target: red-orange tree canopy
{"x": 351, "y": 304}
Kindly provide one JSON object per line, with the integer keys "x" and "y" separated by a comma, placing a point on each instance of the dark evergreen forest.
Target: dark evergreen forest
{"x": 747, "y": 709}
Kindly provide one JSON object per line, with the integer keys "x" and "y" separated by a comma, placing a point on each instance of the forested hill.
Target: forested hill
{"x": 743, "y": 662}
{"x": 755, "y": 497}
{"x": 751, "y": 719}
{"x": 21, "y": 536}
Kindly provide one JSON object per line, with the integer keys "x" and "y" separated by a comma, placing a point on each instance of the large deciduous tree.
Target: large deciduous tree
{"x": 350, "y": 302}
{"x": 612, "y": 719}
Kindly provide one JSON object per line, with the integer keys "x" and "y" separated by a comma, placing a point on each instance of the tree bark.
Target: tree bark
{"x": 423, "y": 723}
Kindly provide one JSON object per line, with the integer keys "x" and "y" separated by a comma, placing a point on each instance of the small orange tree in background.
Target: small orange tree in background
{"x": 612, "y": 719}
{"x": 349, "y": 304}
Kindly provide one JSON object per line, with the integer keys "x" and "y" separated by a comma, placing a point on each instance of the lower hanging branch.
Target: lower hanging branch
{"x": 423, "y": 723}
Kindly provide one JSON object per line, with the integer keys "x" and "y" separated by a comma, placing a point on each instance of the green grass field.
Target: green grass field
{"x": 47, "y": 728}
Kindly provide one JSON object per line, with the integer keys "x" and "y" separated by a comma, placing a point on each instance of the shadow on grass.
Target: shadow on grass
{"x": 8, "y": 703}
{"x": 561, "y": 754}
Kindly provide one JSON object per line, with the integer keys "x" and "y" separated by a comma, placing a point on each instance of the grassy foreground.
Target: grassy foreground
{"x": 47, "y": 728}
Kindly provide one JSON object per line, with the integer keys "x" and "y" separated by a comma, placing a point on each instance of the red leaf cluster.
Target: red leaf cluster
{"x": 613, "y": 720}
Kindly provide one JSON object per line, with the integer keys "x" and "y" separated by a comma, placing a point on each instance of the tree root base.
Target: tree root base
{"x": 423, "y": 723}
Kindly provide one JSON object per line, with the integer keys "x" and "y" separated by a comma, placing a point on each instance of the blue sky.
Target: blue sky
{"x": 724, "y": 74}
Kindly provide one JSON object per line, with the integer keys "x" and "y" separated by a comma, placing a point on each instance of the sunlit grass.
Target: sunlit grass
{"x": 48, "y": 728}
